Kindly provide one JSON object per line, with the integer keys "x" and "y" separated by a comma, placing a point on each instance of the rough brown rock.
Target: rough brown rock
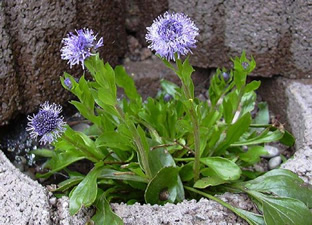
{"x": 277, "y": 33}
{"x": 141, "y": 13}
{"x": 31, "y": 34}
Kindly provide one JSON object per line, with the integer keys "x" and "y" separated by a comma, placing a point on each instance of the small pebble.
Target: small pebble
{"x": 202, "y": 98}
{"x": 275, "y": 162}
{"x": 272, "y": 152}
{"x": 81, "y": 127}
{"x": 52, "y": 201}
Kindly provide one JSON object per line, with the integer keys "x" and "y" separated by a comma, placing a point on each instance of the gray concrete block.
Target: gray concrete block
{"x": 299, "y": 112}
{"x": 187, "y": 212}
{"x": 22, "y": 200}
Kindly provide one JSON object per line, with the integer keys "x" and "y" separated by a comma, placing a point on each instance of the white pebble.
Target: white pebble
{"x": 275, "y": 162}
{"x": 272, "y": 152}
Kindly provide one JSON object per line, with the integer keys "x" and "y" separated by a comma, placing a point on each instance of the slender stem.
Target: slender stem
{"x": 197, "y": 148}
{"x": 195, "y": 123}
{"x": 173, "y": 144}
{"x": 184, "y": 146}
{"x": 162, "y": 146}
{"x": 137, "y": 141}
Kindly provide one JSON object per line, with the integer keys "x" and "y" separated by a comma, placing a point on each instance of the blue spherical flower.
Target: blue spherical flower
{"x": 47, "y": 123}
{"x": 170, "y": 34}
{"x": 78, "y": 47}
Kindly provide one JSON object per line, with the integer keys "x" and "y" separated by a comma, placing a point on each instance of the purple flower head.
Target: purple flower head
{"x": 78, "y": 47}
{"x": 68, "y": 83}
{"x": 245, "y": 65}
{"x": 47, "y": 123}
{"x": 170, "y": 34}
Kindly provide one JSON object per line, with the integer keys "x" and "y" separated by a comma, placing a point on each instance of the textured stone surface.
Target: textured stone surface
{"x": 141, "y": 13}
{"x": 60, "y": 214}
{"x": 277, "y": 33}
{"x": 299, "y": 111}
{"x": 187, "y": 212}
{"x": 31, "y": 34}
{"x": 9, "y": 91}
{"x": 22, "y": 200}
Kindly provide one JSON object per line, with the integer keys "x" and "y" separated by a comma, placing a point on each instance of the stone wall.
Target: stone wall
{"x": 31, "y": 33}
{"x": 277, "y": 33}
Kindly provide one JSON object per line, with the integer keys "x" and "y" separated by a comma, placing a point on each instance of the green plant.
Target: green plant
{"x": 147, "y": 151}
{"x": 158, "y": 151}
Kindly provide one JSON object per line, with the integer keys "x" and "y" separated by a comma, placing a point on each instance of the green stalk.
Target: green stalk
{"x": 188, "y": 95}
{"x": 138, "y": 142}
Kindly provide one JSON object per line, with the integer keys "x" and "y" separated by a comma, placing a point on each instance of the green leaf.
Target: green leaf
{"x": 248, "y": 102}
{"x": 104, "y": 214}
{"x": 85, "y": 193}
{"x": 288, "y": 139}
{"x": 61, "y": 160}
{"x": 251, "y": 218}
{"x": 262, "y": 116}
{"x": 67, "y": 184}
{"x": 106, "y": 96}
{"x": 107, "y": 173}
{"x": 158, "y": 159}
{"x": 88, "y": 144}
{"x": 280, "y": 211}
{"x": 114, "y": 139}
{"x": 48, "y": 153}
{"x": 253, "y": 154}
{"x": 227, "y": 111}
{"x": 124, "y": 81}
{"x": 143, "y": 139}
{"x": 170, "y": 88}
{"x": 186, "y": 172}
{"x": 235, "y": 131}
{"x": 283, "y": 183}
{"x": 224, "y": 168}
{"x": 165, "y": 187}
{"x": 209, "y": 181}
{"x": 252, "y": 86}
{"x": 265, "y": 137}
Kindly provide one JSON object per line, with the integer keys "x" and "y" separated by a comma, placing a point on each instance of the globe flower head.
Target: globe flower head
{"x": 78, "y": 47}
{"x": 47, "y": 123}
{"x": 170, "y": 34}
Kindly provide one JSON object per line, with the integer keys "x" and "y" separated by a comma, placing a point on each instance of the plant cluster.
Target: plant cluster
{"x": 167, "y": 149}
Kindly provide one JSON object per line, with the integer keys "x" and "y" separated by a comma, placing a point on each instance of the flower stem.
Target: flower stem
{"x": 192, "y": 113}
